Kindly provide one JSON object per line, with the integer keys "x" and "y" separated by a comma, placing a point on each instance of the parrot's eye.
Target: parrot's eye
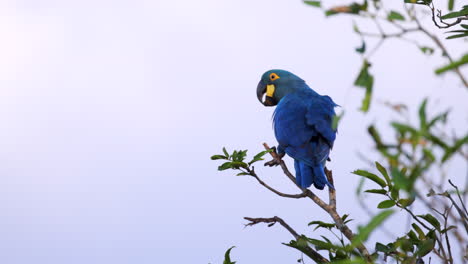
{"x": 274, "y": 76}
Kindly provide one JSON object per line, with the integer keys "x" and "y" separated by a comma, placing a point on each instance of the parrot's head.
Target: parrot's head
{"x": 275, "y": 84}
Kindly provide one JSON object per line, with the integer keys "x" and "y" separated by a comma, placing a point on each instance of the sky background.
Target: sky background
{"x": 110, "y": 110}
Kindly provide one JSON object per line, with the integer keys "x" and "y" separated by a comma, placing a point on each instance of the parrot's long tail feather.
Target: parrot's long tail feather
{"x": 297, "y": 167}
{"x": 307, "y": 175}
{"x": 320, "y": 179}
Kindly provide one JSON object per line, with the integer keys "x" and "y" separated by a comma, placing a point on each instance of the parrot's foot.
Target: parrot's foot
{"x": 276, "y": 160}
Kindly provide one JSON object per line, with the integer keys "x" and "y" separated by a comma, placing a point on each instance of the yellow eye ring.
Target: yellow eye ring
{"x": 274, "y": 76}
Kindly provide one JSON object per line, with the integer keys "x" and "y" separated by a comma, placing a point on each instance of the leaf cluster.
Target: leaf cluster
{"x": 236, "y": 160}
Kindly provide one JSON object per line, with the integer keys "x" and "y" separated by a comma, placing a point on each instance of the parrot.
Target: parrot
{"x": 302, "y": 124}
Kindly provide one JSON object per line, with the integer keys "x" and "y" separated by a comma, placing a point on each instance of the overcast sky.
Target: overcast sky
{"x": 110, "y": 110}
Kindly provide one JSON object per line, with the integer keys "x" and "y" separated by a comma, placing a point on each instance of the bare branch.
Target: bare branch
{"x": 296, "y": 196}
{"x": 314, "y": 255}
{"x": 331, "y": 192}
{"x": 331, "y": 210}
{"x": 439, "y": 15}
{"x": 459, "y": 197}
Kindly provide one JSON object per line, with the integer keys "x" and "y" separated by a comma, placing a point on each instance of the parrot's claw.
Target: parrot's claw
{"x": 273, "y": 162}
{"x": 276, "y": 161}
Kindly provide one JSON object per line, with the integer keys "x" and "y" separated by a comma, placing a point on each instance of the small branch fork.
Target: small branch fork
{"x": 403, "y": 32}
{"x": 330, "y": 208}
{"x": 314, "y": 255}
{"x": 439, "y": 15}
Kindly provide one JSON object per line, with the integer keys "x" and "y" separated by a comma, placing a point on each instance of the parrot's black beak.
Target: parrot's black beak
{"x": 262, "y": 97}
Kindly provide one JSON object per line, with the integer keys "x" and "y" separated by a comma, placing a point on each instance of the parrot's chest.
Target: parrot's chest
{"x": 290, "y": 123}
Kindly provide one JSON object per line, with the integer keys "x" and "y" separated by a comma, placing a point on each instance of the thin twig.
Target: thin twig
{"x": 444, "y": 255}
{"x": 459, "y": 197}
{"x": 314, "y": 255}
{"x": 442, "y": 47}
{"x": 439, "y": 15}
{"x": 296, "y": 196}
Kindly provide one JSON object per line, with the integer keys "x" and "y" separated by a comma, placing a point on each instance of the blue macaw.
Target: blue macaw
{"x": 302, "y": 124}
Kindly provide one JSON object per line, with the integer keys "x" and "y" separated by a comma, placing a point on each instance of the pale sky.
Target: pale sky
{"x": 110, "y": 110}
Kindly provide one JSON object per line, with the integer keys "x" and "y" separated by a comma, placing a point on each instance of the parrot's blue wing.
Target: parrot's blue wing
{"x": 320, "y": 114}
{"x": 303, "y": 128}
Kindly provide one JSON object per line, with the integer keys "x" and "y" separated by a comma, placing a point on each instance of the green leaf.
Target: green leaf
{"x": 336, "y": 120}
{"x": 239, "y": 155}
{"x": 395, "y": 193}
{"x": 242, "y": 174}
{"x": 425, "y": 247}
{"x": 419, "y": 2}
{"x": 452, "y": 150}
{"x": 450, "y": 4}
{"x": 217, "y": 157}
{"x": 453, "y": 65}
{"x": 439, "y": 118}
{"x": 436, "y": 140}
{"x": 422, "y": 115}
{"x": 375, "y": 135}
{"x": 345, "y": 219}
{"x": 360, "y": 186}
{"x": 464, "y": 26}
{"x": 378, "y": 191}
{"x": 321, "y": 224}
{"x": 428, "y": 155}
{"x": 227, "y": 257}
{"x": 313, "y": 3}
{"x": 445, "y": 230}
{"x": 402, "y": 128}
{"x": 366, "y": 80}
{"x": 225, "y": 152}
{"x": 386, "y": 204}
{"x": 381, "y": 248}
{"x": 405, "y": 245}
{"x": 259, "y": 156}
{"x": 375, "y": 222}
{"x": 355, "y": 28}
{"x": 361, "y": 49}
{"x": 239, "y": 164}
{"x": 427, "y": 50}
{"x": 371, "y": 177}
{"x": 405, "y": 202}
{"x": 413, "y": 236}
{"x": 458, "y": 35}
{"x": 225, "y": 166}
{"x": 394, "y": 15}
{"x": 431, "y": 220}
{"x": 384, "y": 173}
{"x": 411, "y": 1}
{"x": 418, "y": 230}
{"x": 301, "y": 245}
{"x": 463, "y": 12}
{"x": 400, "y": 180}
{"x": 319, "y": 244}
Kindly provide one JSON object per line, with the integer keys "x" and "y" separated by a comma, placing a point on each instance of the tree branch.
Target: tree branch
{"x": 314, "y": 255}
{"x": 329, "y": 208}
{"x": 442, "y": 47}
{"x": 331, "y": 192}
{"x": 296, "y": 196}
{"x": 439, "y": 15}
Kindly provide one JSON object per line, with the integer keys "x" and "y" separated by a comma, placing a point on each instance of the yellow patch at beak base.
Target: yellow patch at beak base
{"x": 270, "y": 90}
